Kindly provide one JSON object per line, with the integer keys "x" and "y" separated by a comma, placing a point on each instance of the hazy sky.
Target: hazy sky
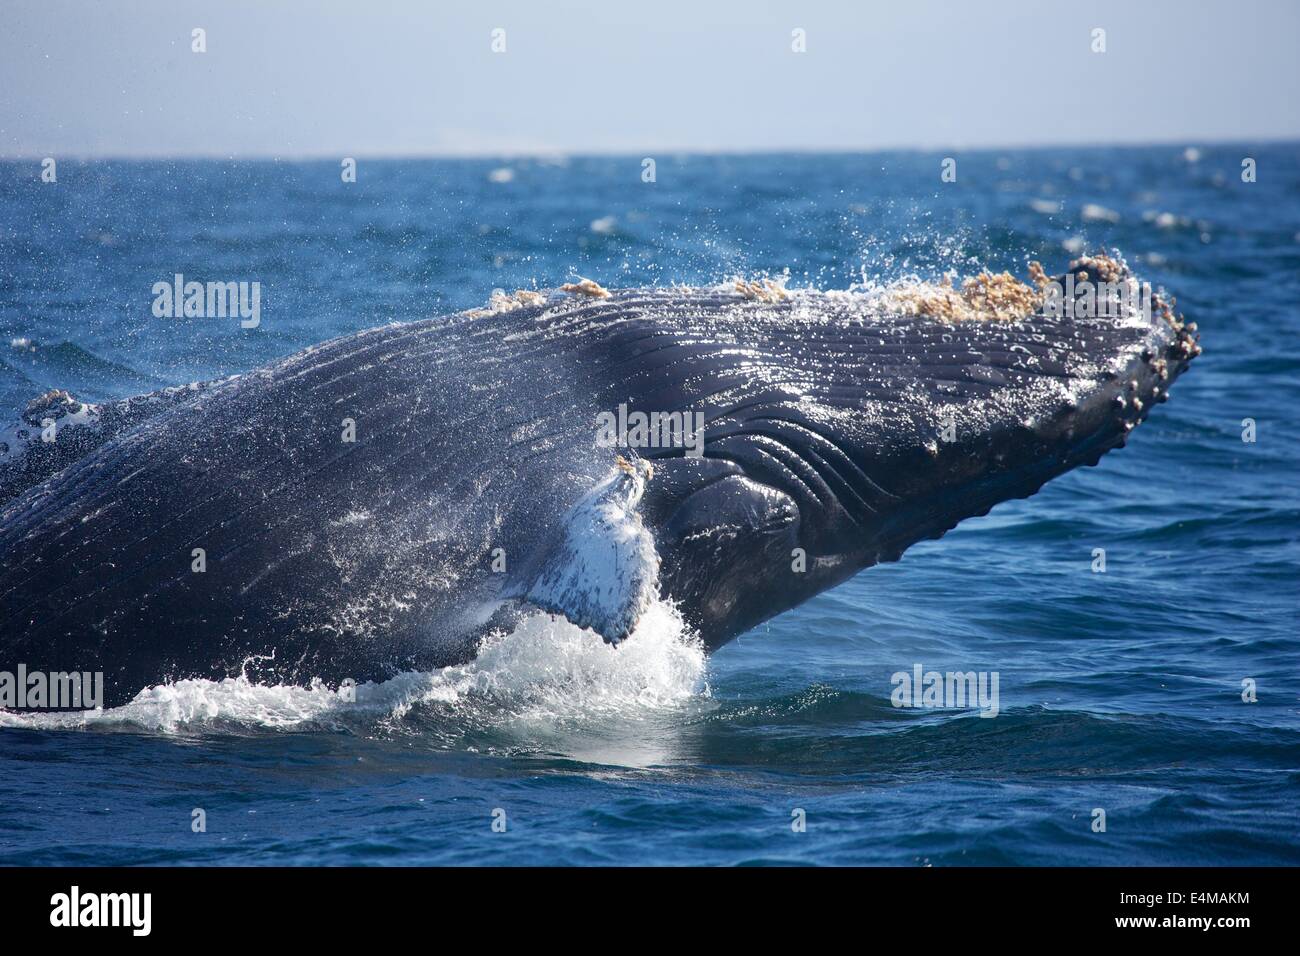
{"x": 290, "y": 78}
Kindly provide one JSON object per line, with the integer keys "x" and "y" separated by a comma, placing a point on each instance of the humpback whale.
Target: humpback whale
{"x": 379, "y": 502}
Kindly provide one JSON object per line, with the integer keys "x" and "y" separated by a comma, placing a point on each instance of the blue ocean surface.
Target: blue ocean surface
{"x": 1124, "y": 691}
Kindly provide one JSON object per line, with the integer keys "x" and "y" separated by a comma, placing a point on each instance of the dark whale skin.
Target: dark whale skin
{"x": 826, "y": 427}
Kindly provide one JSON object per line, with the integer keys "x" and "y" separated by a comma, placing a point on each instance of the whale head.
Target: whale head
{"x": 842, "y": 428}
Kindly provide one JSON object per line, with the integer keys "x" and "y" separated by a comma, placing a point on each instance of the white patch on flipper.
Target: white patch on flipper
{"x": 604, "y": 572}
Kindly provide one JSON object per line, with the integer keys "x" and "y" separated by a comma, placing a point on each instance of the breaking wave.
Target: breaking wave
{"x": 545, "y": 677}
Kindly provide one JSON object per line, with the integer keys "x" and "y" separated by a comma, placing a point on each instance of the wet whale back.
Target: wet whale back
{"x": 303, "y": 532}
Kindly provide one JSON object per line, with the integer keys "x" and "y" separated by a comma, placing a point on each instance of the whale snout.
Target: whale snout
{"x": 871, "y": 429}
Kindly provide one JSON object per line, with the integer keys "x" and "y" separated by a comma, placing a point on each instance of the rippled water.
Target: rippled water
{"x": 1120, "y": 691}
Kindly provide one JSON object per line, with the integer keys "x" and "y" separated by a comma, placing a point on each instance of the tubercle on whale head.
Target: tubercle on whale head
{"x": 1166, "y": 359}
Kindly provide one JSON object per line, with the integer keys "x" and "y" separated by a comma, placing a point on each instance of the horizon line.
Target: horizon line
{"x": 534, "y": 153}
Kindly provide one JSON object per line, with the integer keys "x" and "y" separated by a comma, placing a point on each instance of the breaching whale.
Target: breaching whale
{"x": 380, "y": 502}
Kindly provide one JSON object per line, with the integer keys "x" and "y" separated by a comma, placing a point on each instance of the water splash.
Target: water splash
{"x": 545, "y": 677}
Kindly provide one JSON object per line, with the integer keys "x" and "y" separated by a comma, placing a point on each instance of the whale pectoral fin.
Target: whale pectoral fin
{"x": 604, "y": 571}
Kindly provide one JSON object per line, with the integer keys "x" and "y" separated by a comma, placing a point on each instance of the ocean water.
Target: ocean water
{"x": 1120, "y": 691}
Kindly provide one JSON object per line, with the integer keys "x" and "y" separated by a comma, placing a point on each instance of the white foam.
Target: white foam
{"x": 542, "y": 677}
